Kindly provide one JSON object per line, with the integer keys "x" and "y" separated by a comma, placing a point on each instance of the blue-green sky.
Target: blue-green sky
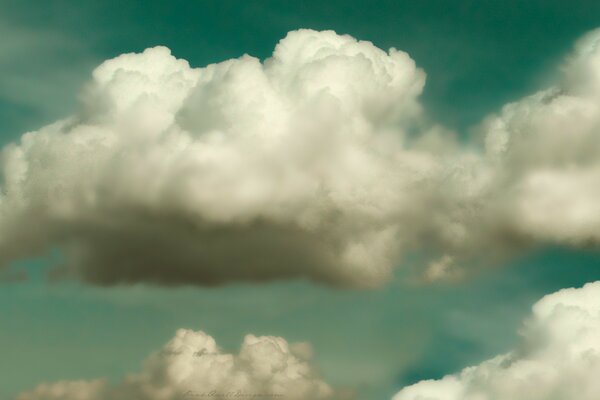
{"x": 478, "y": 55}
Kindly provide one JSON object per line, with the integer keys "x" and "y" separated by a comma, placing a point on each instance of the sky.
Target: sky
{"x": 477, "y": 56}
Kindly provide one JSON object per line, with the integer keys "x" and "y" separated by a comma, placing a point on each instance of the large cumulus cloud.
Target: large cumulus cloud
{"x": 558, "y": 357}
{"x": 241, "y": 170}
{"x": 192, "y": 366}
{"x": 316, "y": 163}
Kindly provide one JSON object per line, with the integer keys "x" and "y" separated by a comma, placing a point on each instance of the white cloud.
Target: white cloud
{"x": 236, "y": 171}
{"x": 558, "y": 357}
{"x": 191, "y": 366}
{"x": 313, "y": 164}
{"x": 536, "y": 180}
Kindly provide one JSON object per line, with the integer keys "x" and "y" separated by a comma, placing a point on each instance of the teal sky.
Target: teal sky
{"x": 477, "y": 55}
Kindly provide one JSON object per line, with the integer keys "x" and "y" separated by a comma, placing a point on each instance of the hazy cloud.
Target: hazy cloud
{"x": 41, "y": 71}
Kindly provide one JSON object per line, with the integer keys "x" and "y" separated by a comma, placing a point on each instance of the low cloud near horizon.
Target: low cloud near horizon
{"x": 317, "y": 163}
{"x": 191, "y": 365}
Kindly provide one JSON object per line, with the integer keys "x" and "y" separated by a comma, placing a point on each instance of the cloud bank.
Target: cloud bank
{"x": 558, "y": 357}
{"x": 192, "y": 366}
{"x": 316, "y": 163}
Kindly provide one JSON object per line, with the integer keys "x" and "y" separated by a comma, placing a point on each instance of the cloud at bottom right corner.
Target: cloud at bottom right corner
{"x": 557, "y": 357}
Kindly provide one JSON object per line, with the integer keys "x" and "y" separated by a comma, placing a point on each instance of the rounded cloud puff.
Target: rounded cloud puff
{"x": 192, "y": 366}
{"x": 559, "y": 357}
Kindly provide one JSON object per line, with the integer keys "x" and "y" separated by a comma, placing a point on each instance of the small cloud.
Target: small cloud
{"x": 443, "y": 269}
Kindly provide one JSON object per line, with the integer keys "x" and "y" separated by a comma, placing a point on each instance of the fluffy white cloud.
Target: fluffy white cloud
{"x": 558, "y": 357}
{"x": 191, "y": 366}
{"x": 535, "y": 181}
{"x": 313, "y": 164}
{"x": 547, "y": 150}
{"x": 537, "y": 178}
{"x": 241, "y": 170}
